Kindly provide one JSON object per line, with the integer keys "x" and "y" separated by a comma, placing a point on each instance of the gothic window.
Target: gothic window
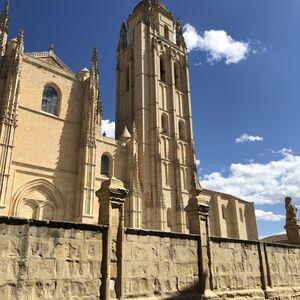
{"x": 165, "y": 123}
{"x": 181, "y": 128}
{"x": 177, "y": 75}
{"x": 162, "y": 69}
{"x": 105, "y": 165}
{"x": 166, "y": 32}
{"x": 50, "y": 101}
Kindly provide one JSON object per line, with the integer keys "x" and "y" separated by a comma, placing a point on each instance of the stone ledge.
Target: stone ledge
{"x": 52, "y": 224}
{"x": 173, "y": 235}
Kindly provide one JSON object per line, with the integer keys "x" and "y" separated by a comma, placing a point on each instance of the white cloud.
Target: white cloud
{"x": 197, "y": 162}
{"x": 248, "y": 138}
{"x": 268, "y": 216}
{"x": 109, "y": 128}
{"x": 217, "y": 43}
{"x": 261, "y": 183}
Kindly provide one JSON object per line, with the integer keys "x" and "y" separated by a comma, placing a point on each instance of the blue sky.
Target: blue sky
{"x": 257, "y": 95}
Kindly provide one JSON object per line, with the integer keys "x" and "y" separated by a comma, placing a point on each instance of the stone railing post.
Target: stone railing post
{"x": 111, "y": 197}
{"x": 198, "y": 219}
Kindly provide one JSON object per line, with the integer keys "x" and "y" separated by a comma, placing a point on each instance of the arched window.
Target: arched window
{"x": 166, "y": 32}
{"x": 162, "y": 69}
{"x": 165, "y": 123}
{"x": 50, "y": 101}
{"x": 177, "y": 75}
{"x": 105, "y": 165}
{"x": 181, "y": 128}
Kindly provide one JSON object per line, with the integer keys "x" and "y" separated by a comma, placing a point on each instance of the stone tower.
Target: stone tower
{"x": 153, "y": 97}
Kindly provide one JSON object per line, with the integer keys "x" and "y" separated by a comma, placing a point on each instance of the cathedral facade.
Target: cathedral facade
{"x": 53, "y": 157}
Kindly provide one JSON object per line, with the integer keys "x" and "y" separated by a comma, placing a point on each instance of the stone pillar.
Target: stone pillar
{"x": 111, "y": 197}
{"x": 198, "y": 220}
{"x": 292, "y": 224}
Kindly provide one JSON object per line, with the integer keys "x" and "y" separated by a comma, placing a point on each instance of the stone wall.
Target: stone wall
{"x": 57, "y": 260}
{"x": 49, "y": 260}
{"x": 159, "y": 264}
{"x": 255, "y": 270}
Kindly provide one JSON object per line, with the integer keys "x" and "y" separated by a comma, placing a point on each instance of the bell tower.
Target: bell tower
{"x": 153, "y": 92}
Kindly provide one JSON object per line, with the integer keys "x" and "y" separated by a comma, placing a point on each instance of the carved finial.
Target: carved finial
{"x": 123, "y": 37}
{"x": 51, "y": 48}
{"x": 151, "y": 2}
{"x": 179, "y": 34}
{"x": 4, "y": 18}
{"x": 291, "y": 211}
{"x": 20, "y": 40}
{"x": 196, "y": 185}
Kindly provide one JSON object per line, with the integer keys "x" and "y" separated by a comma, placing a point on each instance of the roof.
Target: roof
{"x": 279, "y": 238}
{"x": 211, "y": 192}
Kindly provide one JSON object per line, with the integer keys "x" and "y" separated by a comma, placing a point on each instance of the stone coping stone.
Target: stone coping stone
{"x": 173, "y": 235}
{"x": 52, "y": 224}
{"x": 237, "y": 241}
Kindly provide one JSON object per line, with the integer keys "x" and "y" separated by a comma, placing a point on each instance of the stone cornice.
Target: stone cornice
{"x": 38, "y": 62}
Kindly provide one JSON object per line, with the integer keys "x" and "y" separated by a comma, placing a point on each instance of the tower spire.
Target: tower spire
{"x": 123, "y": 37}
{"x": 179, "y": 34}
{"x": 95, "y": 81}
{"x": 4, "y": 20}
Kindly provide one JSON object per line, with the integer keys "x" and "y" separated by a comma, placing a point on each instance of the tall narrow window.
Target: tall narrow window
{"x": 241, "y": 215}
{"x": 50, "y": 101}
{"x": 165, "y": 123}
{"x": 177, "y": 75}
{"x": 162, "y": 69}
{"x": 166, "y": 32}
{"x": 223, "y": 212}
{"x": 181, "y": 128}
{"x": 127, "y": 83}
{"x": 105, "y": 165}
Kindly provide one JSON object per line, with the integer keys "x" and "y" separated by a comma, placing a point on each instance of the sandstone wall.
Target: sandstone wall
{"x": 57, "y": 260}
{"x": 159, "y": 264}
{"x": 40, "y": 260}
{"x": 255, "y": 270}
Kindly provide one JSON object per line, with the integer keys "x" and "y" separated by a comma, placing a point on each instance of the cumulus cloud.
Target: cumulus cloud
{"x": 268, "y": 216}
{"x": 248, "y": 138}
{"x": 197, "y": 162}
{"x": 109, "y": 128}
{"x": 217, "y": 44}
{"x": 266, "y": 183}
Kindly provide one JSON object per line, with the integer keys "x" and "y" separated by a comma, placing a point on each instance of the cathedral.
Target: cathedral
{"x": 53, "y": 157}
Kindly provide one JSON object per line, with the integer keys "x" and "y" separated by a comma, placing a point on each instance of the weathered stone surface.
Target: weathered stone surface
{"x": 159, "y": 266}
{"x": 40, "y": 263}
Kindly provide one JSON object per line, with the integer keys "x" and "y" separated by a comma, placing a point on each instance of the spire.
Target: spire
{"x": 4, "y": 18}
{"x": 179, "y": 35}
{"x": 20, "y": 39}
{"x": 123, "y": 37}
{"x": 95, "y": 81}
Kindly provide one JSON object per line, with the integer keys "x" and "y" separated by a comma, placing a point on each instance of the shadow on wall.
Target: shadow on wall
{"x": 194, "y": 292}
{"x": 69, "y": 150}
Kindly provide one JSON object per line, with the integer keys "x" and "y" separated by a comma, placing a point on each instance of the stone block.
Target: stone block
{"x": 42, "y": 269}
{"x": 9, "y": 270}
